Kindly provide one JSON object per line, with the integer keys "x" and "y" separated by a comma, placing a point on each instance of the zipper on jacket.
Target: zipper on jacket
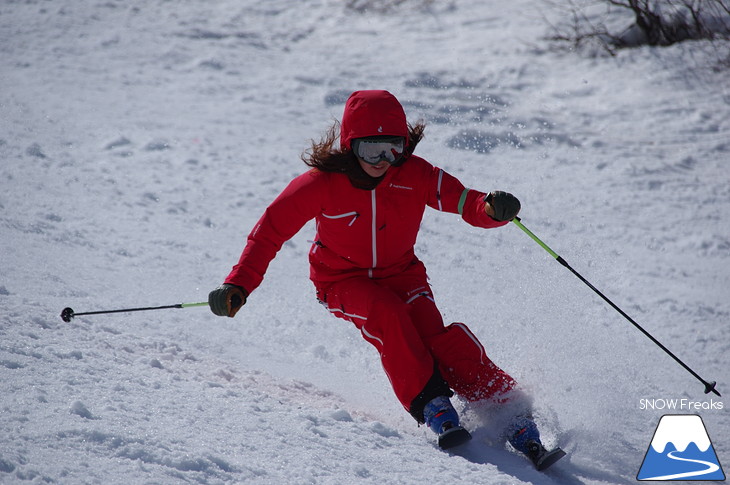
{"x": 375, "y": 233}
{"x": 316, "y": 245}
{"x": 438, "y": 189}
{"x": 354, "y": 216}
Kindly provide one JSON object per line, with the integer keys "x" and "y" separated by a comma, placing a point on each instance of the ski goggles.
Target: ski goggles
{"x": 381, "y": 149}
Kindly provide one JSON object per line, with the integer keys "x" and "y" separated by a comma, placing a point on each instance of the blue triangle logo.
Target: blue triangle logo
{"x": 681, "y": 450}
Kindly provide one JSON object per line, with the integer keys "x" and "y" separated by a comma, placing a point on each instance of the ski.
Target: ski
{"x": 545, "y": 459}
{"x": 452, "y": 437}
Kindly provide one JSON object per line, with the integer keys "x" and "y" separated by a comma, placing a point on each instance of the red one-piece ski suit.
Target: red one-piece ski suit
{"x": 365, "y": 270}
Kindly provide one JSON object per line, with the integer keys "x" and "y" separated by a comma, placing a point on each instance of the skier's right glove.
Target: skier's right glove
{"x": 226, "y": 300}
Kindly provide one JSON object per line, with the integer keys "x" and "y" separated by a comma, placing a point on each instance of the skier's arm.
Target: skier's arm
{"x": 296, "y": 205}
{"x": 477, "y": 208}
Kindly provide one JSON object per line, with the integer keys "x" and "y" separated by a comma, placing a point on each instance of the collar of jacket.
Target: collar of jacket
{"x": 361, "y": 180}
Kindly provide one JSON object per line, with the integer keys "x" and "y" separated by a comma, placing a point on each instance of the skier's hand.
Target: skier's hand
{"x": 226, "y": 300}
{"x": 502, "y": 206}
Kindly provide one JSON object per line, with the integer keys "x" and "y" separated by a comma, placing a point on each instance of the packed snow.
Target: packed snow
{"x": 141, "y": 140}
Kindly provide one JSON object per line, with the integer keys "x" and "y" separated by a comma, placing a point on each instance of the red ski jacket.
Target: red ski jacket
{"x": 359, "y": 232}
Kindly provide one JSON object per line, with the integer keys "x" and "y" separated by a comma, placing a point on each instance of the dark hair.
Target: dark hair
{"x": 327, "y": 156}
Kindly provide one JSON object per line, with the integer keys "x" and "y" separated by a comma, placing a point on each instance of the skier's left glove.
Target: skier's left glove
{"x": 505, "y": 205}
{"x": 226, "y": 300}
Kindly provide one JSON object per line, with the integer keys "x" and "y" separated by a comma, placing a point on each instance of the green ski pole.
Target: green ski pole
{"x": 709, "y": 386}
{"x": 67, "y": 314}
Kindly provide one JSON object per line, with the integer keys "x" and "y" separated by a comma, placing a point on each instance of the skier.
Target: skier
{"x": 368, "y": 197}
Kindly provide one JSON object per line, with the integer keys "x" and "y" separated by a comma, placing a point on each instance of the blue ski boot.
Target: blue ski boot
{"x": 525, "y": 438}
{"x": 442, "y": 418}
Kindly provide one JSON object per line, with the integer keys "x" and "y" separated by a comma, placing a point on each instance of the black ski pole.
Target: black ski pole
{"x": 67, "y": 314}
{"x": 709, "y": 386}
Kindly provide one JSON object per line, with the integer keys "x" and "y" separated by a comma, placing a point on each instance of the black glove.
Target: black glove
{"x": 226, "y": 300}
{"x": 505, "y": 205}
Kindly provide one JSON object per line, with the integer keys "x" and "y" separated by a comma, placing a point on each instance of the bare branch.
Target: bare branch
{"x": 656, "y": 23}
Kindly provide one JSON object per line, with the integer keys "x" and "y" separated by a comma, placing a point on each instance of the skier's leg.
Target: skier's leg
{"x": 465, "y": 366}
{"x": 459, "y": 354}
{"x": 383, "y": 319}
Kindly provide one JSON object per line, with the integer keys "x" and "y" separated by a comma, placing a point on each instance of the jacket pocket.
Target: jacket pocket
{"x": 349, "y": 217}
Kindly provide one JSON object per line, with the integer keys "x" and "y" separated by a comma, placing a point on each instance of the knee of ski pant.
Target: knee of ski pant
{"x": 426, "y": 317}
{"x": 465, "y": 365}
{"x": 388, "y": 304}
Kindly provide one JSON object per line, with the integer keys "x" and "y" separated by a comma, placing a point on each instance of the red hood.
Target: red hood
{"x": 371, "y": 113}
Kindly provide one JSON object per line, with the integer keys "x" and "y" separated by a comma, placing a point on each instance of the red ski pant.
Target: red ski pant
{"x": 399, "y": 317}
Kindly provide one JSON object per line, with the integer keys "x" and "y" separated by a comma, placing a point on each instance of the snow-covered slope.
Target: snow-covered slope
{"x": 140, "y": 141}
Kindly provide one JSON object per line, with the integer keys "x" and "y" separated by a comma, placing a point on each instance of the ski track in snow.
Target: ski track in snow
{"x": 140, "y": 141}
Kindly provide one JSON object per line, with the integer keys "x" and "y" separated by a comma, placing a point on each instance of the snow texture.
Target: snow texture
{"x": 141, "y": 140}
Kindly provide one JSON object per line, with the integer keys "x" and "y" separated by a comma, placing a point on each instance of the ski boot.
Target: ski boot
{"x": 442, "y": 418}
{"x": 525, "y": 438}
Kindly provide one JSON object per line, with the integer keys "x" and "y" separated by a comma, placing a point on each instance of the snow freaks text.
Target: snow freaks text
{"x": 680, "y": 405}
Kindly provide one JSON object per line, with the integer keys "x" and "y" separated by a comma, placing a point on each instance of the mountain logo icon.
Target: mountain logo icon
{"x": 681, "y": 450}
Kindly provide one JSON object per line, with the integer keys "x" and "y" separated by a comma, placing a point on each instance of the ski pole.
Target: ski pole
{"x": 709, "y": 386}
{"x": 67, "y": 314}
